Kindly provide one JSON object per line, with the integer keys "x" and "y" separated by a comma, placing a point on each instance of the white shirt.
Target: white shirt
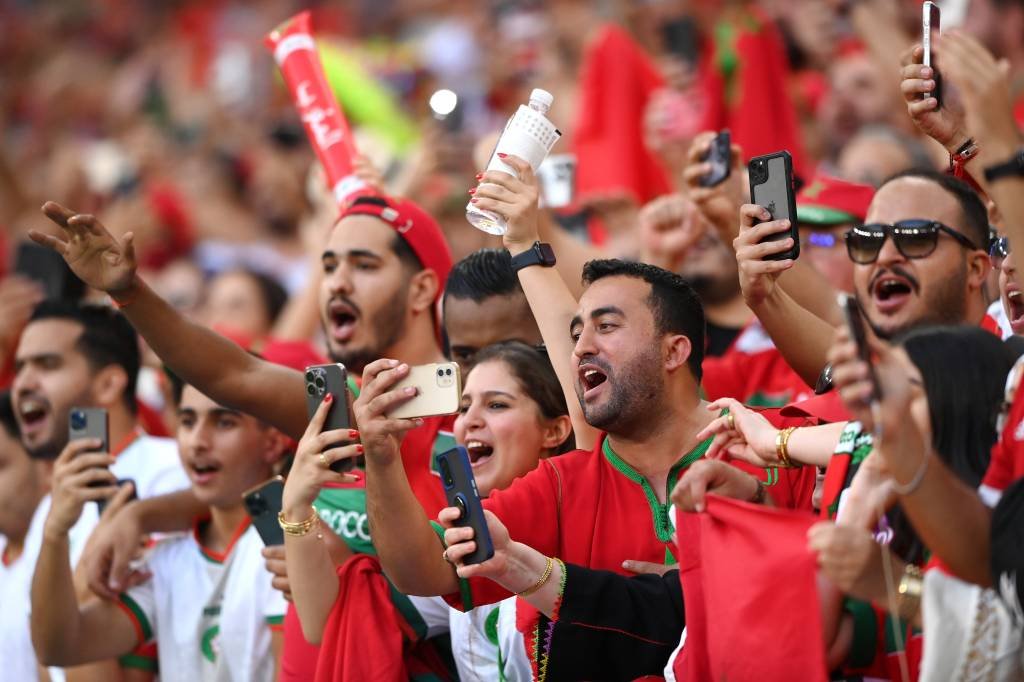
{"x": 17, "y": 659}
{"x": 211, "y": 616}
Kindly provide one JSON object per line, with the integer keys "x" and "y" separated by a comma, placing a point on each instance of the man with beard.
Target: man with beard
{"x": 919, "y": 260}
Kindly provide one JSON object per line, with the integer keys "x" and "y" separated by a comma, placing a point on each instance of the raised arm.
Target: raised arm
{"x": 802, "y": 337}
{"x": 408, "y": 548}
{"x": 208, "y": 361}
{"x": 551, "y": 302}
{"x": 62, "y": 633}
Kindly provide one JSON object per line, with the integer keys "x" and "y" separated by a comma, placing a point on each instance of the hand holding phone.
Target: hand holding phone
{"x": 438, "y": 391}
{"x": 930, "y": 31}
{"x": 324, "y": 380}
{"x": 461, "y": 492}
{"x": 90, "y": 422}
{"x": 858, "y": 330}
{"x": 772, "y": 188}
{"x": 264, "y": 503}
{"x": 719, "y": 157}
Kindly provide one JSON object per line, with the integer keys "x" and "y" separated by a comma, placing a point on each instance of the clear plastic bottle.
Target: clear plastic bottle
{"x": 528, "y": 135}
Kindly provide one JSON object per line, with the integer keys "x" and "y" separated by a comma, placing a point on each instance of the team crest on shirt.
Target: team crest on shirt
{"x": 209, "y": 643}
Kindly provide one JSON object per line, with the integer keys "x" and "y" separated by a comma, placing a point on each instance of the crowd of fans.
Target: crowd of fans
{"x": 691, "y": 467}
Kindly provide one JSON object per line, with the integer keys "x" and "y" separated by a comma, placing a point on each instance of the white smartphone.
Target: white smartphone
{"x": 930, "y": 29}
{"x": 439, "y": 391}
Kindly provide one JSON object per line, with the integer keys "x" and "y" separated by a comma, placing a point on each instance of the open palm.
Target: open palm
{"x": 90, "y": 250}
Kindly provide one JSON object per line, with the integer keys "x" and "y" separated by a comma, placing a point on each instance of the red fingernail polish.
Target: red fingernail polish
{"x": 501, "y": 156}
{"x": 353, "y": 433}
{"x": 359, "y": 449}
{"x": 328, "y": 398}
{"x": 473, "y": 201}
{"x": 472, "y": 191}
{"x": 479, "y": 176}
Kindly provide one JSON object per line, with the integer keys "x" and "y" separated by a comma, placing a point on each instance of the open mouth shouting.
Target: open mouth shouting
{"x": 891, "y": 291}
{"x": 341, "y": 320}
{"x": 591, "y": 378}
{"x": 33, "y": 416}
{"x": 203, "y": 471}
{"x": 1013, "y": 301}
{"x": 479, "y": 452}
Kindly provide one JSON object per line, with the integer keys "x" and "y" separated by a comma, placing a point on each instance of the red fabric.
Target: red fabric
{"x": 1007, "y": 463}
{"x": 178, "y": 235}
{"x": 739, "y": 603}
{"x": 753, "y": 371}
{"x": 363, "y": 639}
{"x": 991, "y": 325}
{"x": 747, "y": 81}
{"x": 827, "y": 408}
{"x": 834, "y": 194}
{"x": 617, "y": 81}
{"x": 151, "y": 421}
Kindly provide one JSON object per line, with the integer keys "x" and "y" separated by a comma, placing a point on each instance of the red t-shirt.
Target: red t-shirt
{"x": 754, "y": 372}
{"x": 1007, "y": 462}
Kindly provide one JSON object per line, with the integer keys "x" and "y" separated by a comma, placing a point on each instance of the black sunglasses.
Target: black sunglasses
{"x": 913, "y": 239}
{"x": 998, "y": 250}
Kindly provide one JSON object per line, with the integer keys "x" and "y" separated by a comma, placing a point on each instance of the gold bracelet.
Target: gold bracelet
{"x": 782, "y": 446}
{"x": 300, "y": 528}
{"x": 540, "y": 583}
{"x": 908, "y": 594}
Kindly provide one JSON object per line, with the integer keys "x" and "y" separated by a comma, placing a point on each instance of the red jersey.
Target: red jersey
{"x": 754, "y": 372}
{"x": 1007, "y": 463}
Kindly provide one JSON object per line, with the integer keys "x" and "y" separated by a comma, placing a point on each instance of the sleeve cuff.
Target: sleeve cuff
{"x": 143, "y": 629}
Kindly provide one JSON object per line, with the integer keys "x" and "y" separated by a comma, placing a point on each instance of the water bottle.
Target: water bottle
{"x": 528, "y": 135}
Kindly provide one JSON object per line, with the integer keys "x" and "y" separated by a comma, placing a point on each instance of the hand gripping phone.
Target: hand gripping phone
{"x": 90, "y": 422}
{"x": 719, "y": 157}
{"x": 460, "y": 491}
{"x": 771, "y": 186}
{"x": 439, "y": 391}
{"x": 930, "y": 29}
{"x": 264, "y": 503}
{"x": 322, "y": 380}
{"x": 47, "y": 267}
{"x": 855, "y": 320}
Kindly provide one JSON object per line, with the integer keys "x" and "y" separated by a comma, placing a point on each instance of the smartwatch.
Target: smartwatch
{"x": 1013, "y": 167}
{"x": 540, "y": 253}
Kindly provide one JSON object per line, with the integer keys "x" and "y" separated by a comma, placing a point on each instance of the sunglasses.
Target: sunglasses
{"x": 913, "y": 239}
{"x": 998, "y": 250}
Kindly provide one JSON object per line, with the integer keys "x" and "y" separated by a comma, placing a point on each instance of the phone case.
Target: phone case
{"x": 264, "y": 504}
{"x": 771, "y": 186}
{"x": 718, "y": 156}
{"x": 931, "y": 28}
{"x": 440, "y": 391}
{"x": 460, "y": 491}
{"x": 333, "y": 379}
{"x": 89, "y": 422}
{"x": 855, "y": 321}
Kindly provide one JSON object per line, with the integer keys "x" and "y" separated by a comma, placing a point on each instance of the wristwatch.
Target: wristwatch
{"x": 540, "y": 253}
{"x": 1014, "y": 166}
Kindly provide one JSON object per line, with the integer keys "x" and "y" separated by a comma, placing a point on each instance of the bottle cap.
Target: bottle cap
{"x": 542, "y": 96}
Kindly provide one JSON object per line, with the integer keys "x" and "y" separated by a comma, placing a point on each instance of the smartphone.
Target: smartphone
{"x": 718, "y": 156}
{"x": 439, "y": 391}
{"x": 322, "y": 380}
{"x": 90, "y": 422}
{"x": 460, "y": 491}
{"x": 263, "y": 503}
{"x": 855, "y": 321}
{"x": 771, "y": 186}
{"x": 930, "y": 29}
{"x": 47, "y": 267}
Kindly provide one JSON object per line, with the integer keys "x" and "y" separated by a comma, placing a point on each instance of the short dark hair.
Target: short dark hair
{"x": 972, "y": 208}
{"x": 275, "y": 297}
{"x": 676, "y": 307}
{"x": 107, "y": 338}
{"x": 533, "y": 371}
{"x": 7, "y": 418}
{"x": 481, "y": 275}
{"x": 405, "y": 254}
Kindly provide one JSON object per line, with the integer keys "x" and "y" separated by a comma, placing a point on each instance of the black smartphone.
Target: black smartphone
{"x": 718, "y": 156}
{"x": 680, "y": 39}
{"x": 460, "y": 491}
{"x": 855, "y": 321}
{"x": 48, "y": 268}
{"x": 771, "y": 186}
{"x": 930, "y": 28}
{"x": 332, "y": 379}
{"x": 264, "y": 503}
{"x": 90, "y": 422}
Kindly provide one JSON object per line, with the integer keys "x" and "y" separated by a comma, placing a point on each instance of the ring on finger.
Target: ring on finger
{"x": 324, "y": 462}
{"x": 445, "y": 555}
{"x": 730, "y": 421}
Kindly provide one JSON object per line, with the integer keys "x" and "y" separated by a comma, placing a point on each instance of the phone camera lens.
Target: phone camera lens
{"x": 448, "y": 371}
{"x": 319, "y": 382}
{"x": 78, "y": 420}
{"x": 310, "y": 389}
{"x": 309, "y": 376}
{"x": 440, "y": 372}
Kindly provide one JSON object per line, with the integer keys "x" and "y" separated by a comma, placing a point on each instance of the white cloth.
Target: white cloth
{"x": 968, "y": 633}
{"x": 17, "y": 659}
{"x": 998, "y": 313}
{"x": 211, "y": 616}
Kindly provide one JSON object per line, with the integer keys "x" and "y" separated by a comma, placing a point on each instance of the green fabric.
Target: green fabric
{"x": 353, "y": 387}
{"x": 136, "y": 662}
{"x": 344, "y": 511}
{"x": 865, "y": 633}
{"x": 275, "y": 620}
{"x": 491, "y": 631}
{"x": 822, "y": 215}
{"x": 464, "y": 591}
{"x": 409, "y": 612}
{"x": 140, "y": 615}
{"x": 663, "y": 527}
{"x": 762, "y": 399}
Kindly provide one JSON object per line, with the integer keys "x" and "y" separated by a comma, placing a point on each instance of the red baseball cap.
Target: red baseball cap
{"x": 419, "y": 230}
{"x": 831, "y": 201}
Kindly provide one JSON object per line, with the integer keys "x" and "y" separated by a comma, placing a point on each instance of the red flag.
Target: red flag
{"x": 746, "y": 76}
{"x": 617, "y": 80}
{"x": 753, "y": 614}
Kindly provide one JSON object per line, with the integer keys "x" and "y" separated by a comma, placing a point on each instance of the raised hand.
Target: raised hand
{"x": 669, "y": 226}
{"x": 461, "y": 543}
{"x": 92, "y": 253}
{"x": 719, "y": 203}
{"x": 943, "y": 124}
{"x": 515, "y": 198}
{"x": 758, "y": 276}
{"x": 73, "y": 472}
{"x": 742, "y": 433}
{"x": 712, "y": 477}
{"x": 381, "y": 435}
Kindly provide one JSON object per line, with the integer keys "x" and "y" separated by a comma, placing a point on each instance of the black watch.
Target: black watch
{"x": 1013, "y": 167}
{"x": 540, "y": 253}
